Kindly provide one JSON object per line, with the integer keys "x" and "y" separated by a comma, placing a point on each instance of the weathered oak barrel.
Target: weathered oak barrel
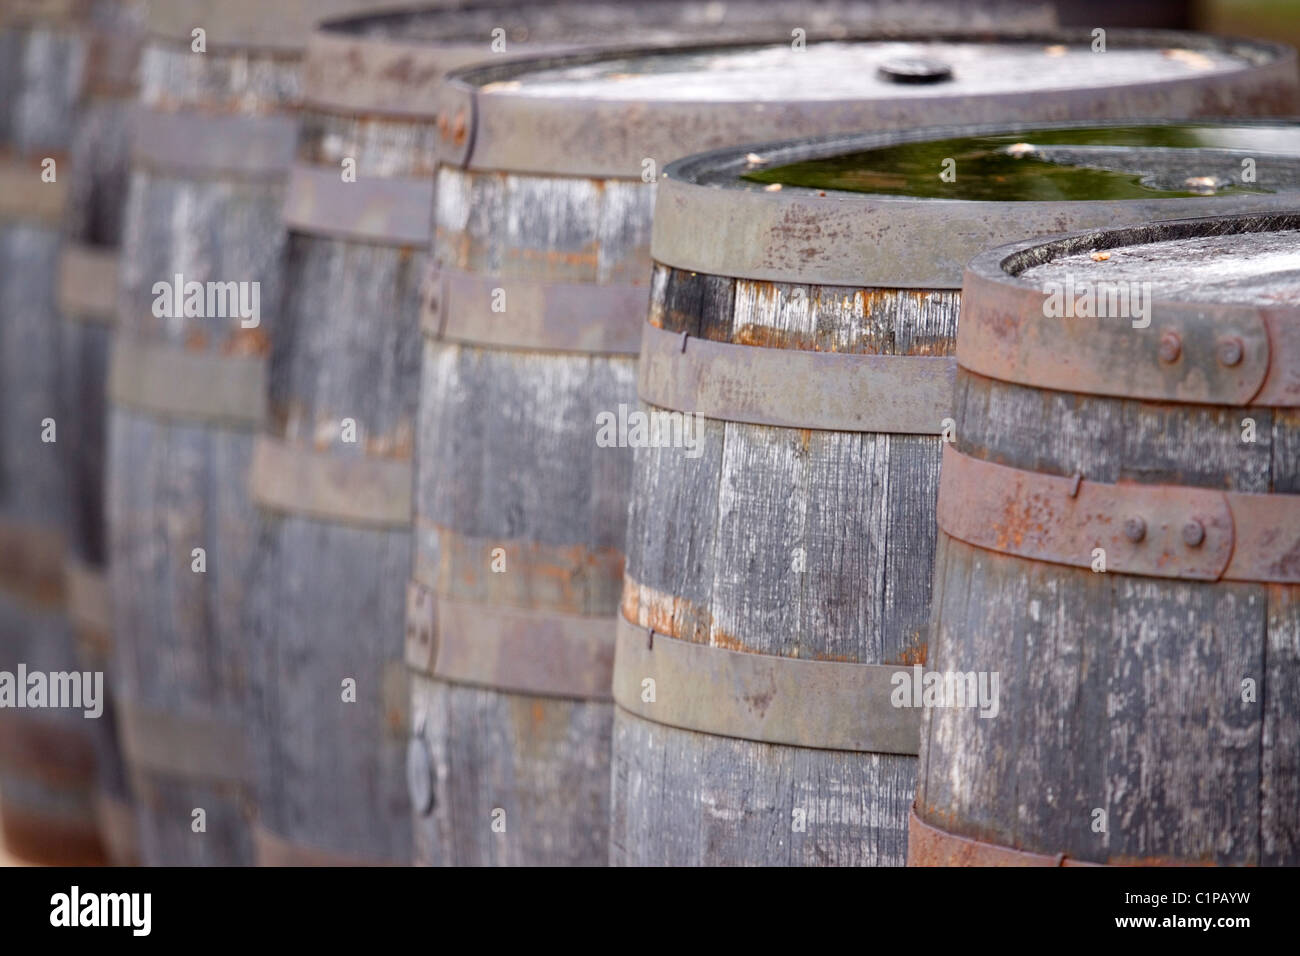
{"x": 332, "y": 467}
{"x": 200, "y": 285}
{"x": 533, "y": 322}
{"x": 778, "y": 580}
{"x": 1120, "y": 519}
{"x": 47, "y": 756}
{"x": 87, "y": 298}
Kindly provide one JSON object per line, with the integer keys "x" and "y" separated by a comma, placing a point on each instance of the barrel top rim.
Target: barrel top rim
{"x": 855, "y": 240}
{"x": 491, "y": 123}
{"x": 475, "y": 77}
{"x": 1005, "y": 265}
{"x": 714, "y": 169}
{"x": 1028, "y": 333}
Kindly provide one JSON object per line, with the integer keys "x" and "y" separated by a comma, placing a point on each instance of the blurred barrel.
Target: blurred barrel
{"x": 1120, "y": 520}
{"x": 212, "y": 145}
{"x": 47, "y": 756}
{"x": 533, "y": 322}
{"x": 87, "y": 298}
{"x": 778, "y": 581}
{"x": 332, "y": 467}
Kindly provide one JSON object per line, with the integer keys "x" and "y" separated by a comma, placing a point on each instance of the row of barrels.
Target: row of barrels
{"x": 377, "y": 590}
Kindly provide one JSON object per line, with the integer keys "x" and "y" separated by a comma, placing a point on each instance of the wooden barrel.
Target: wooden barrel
{"x": 778, "y": 581}
{"x": 1120, "y": 519}
{"x": 212, "y": 145}
{"x": 87, "y": 298}
{"x": 332, "y": 467}
{"x": 533, "y": 321}
{"x": 47, "y": 756}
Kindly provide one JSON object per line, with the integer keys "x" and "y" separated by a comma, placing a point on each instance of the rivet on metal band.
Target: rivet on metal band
{"x": 520, "y": 650}
{"x": 190, "y": 386}
{"x": 761, "y": 697}
{"x": 394, "y": 211}
{"x": 907, "y": 394}
{"x": 930, "y": 846}
{"x": 182, "y": 745}
{"x": 350, "y": 489}
{"x": 87, "y": 284}
{"x": 547, "y": 316}
{"x": 1162, "y": 531}
{"x": 1206, "y": 353}
{"x": 201, "y": 144}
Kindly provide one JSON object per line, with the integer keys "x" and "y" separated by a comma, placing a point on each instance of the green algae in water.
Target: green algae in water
{"x": 988, "y": 169}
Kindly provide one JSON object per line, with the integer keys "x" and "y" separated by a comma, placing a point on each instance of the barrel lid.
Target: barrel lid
{"x": 253, "y": 24}
{"x": 392, "y": 63}
{"x": 710, "y": 219}
{"x": 1200, "y": 310}
{"x": 612, "y": 114}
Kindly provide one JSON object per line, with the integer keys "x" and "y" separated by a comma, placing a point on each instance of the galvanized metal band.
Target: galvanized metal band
{"x": 87, "y": 287}
{"x": 273, "y": 850}
{"x": 183, "y": 745}
{"x": 397, "y": 211}
{"x": 517, "y": 650}
{"x": 492, "y": 125}
{"x": 545, "y": 316}
{"x": 930, "y": 846}
{"x": 575, "y": 578}
{"x": 1162, "y": 531}
{"x": 351, "y": 73}
{"x": 171, "y": 383}
{"x": 24, "y": 197}
{"x": 214, "y": 145}
{"x": 762, "y": 697}
{"x": 31, "y": 563}
{"x": 254, "y": 24}
{"x": 89, "y": 606}
{"x": 791, "y": 388}
{"x": 350, "y": 489}
{"x": 1012, "y": 331}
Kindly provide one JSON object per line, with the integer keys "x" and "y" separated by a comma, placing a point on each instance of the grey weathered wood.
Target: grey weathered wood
{"x": 1119, "y": 693}
{"x": 175, "y": 485}
{"x": 328, "y": 601}
{"x": 98, "y": 178}
{"x": 711, "y": 559}
{"x": 534, "y": 483}
{"x": 508, "y": 459}
{"x": 46, "y": 758}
